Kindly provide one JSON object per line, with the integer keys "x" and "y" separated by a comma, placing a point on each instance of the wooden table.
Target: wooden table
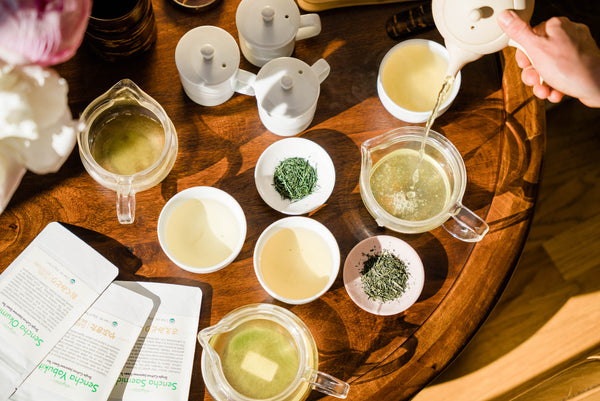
{"x": 495, "y": 123}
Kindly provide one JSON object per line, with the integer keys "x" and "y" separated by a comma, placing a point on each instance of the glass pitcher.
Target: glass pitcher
{"x": 389, "y": 199}
{"x": 263, "y": 352}
{"x": 111, "y": 157}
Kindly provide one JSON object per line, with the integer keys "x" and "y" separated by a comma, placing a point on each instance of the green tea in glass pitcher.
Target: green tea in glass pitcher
{"x": 263, "y": 352}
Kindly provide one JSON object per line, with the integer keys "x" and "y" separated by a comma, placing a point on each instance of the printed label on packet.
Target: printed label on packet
{"x": 86, "y": 362}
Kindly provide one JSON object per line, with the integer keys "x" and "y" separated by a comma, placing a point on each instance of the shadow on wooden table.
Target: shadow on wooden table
{"x": 548, "y": 316}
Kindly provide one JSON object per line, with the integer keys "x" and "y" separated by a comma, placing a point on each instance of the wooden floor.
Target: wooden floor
{"x": 549, "y": 315}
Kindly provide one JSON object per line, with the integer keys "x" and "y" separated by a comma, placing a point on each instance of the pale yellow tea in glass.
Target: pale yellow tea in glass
{"x": 409, "y": 188}
{"x": 128, "y": 142}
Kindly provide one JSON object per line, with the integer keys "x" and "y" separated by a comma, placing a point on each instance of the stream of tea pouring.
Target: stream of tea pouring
{"x": 470, "y": 30}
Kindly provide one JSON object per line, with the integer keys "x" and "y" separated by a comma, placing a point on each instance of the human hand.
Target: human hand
{"x": 561, "y": 52}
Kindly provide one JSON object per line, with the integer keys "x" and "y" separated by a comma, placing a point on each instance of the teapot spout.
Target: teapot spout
{"x": 458, "y": 58}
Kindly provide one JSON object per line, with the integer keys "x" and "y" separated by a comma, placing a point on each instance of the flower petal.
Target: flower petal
{"x": 43, "y": 32}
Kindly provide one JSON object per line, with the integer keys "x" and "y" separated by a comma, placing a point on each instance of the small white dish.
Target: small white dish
{"x": 284, "y": 271}
{"x": 376, "y": 245}
{"x": 222, "y": 234}
{"x": 316, "y": 156}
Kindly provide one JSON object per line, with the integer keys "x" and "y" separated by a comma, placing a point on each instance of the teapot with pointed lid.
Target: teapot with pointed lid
{"x": 470, "y": 27}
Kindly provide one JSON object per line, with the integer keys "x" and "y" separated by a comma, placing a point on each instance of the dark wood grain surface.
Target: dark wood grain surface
{"x": 495, "y": 122}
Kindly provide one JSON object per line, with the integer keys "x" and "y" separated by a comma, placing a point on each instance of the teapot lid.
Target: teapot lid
{"x": 286, "y": 87}
{"x": 267, "y": 23}
{"x": 472, "y": 24}
{"x": 207, "y": 55}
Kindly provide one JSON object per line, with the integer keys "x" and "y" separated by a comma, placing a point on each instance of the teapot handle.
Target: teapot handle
{"x": 518, "y": 46}
{"x": 321, "y": 69}
{"x": 244, "y": 82}
{"x": 310, "y": 25}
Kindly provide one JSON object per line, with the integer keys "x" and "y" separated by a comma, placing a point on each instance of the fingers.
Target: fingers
{"x": 555, "y": 96}
{"x": 522, "y": 59}
{"x": 530, "y": 76}
{"x": 516, "y": 28}
{"x": 545, "y": 92}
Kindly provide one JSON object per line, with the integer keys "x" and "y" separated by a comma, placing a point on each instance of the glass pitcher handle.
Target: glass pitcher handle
{"x": 328, "y": 384}
{"x": 125, "y": 203}
{"x": 465, "y": 225}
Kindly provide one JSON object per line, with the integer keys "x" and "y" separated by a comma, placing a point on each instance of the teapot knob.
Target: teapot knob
{"x": 287, "y": 82}
{"x": 475, "y": 15}
{"x": 267, "y": 13}
{"x": 208, "y": 52}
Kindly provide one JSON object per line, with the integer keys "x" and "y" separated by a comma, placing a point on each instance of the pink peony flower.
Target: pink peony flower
{"x": 43, "y": 32}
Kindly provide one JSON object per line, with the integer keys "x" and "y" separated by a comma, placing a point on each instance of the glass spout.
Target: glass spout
{"x": 206, "y": 334}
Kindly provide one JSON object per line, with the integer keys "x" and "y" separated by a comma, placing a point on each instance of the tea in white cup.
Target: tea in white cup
{"x": 296, "y": 259}
{"x": 410, "y": 77}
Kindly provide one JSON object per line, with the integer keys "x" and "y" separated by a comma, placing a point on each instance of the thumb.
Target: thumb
{"x": 516, "y": 29}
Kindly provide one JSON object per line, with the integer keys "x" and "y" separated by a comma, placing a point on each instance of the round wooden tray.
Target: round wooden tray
{"x": 495, "y": 122}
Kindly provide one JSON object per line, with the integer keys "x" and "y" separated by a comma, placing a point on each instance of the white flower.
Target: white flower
{"x": 37, "y": 130}
{"x": 35, "y": 120}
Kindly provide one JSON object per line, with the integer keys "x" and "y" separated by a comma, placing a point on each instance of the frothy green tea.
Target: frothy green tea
{"x": 258, "y": 358}
{"x": 404, "y": 195}
{"x": 128, "y": 142}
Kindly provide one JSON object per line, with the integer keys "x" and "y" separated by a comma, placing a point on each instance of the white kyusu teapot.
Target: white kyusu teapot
{"x": 470, "y": 27}
{"x": 287, "y": 90}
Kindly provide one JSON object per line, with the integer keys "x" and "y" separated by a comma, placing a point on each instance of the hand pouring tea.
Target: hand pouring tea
{"x": 432, "y": 192}
{"x": 470, "y": 27}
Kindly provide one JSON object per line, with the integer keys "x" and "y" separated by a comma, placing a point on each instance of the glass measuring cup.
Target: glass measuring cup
{"x": 126, "y": 99}
{"x": 295, "y": 336}
{"x": 444, "y": 158}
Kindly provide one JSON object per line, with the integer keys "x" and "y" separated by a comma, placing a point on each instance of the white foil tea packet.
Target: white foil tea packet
{"x": 43, "y": 292}
{"x": 86, "y": 362}
{"x": 160, "y": 365}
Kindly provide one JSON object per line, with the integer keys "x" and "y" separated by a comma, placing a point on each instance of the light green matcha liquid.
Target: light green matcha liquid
{"x": 258, "y": 358}
{"x": 128, "y": 143}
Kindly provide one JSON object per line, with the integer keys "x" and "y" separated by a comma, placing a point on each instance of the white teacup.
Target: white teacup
{"x": 287, "y": 90}
{"x": 208, "y": 59}
{"x": 410, "y": 77}
{"x": 268, "y": 29}
{"x": 296, "y": 260}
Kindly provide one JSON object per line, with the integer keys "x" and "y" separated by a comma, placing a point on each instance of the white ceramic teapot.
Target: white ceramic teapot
{"x": 470, "y": 27}
{"x": 269, "y": 29}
